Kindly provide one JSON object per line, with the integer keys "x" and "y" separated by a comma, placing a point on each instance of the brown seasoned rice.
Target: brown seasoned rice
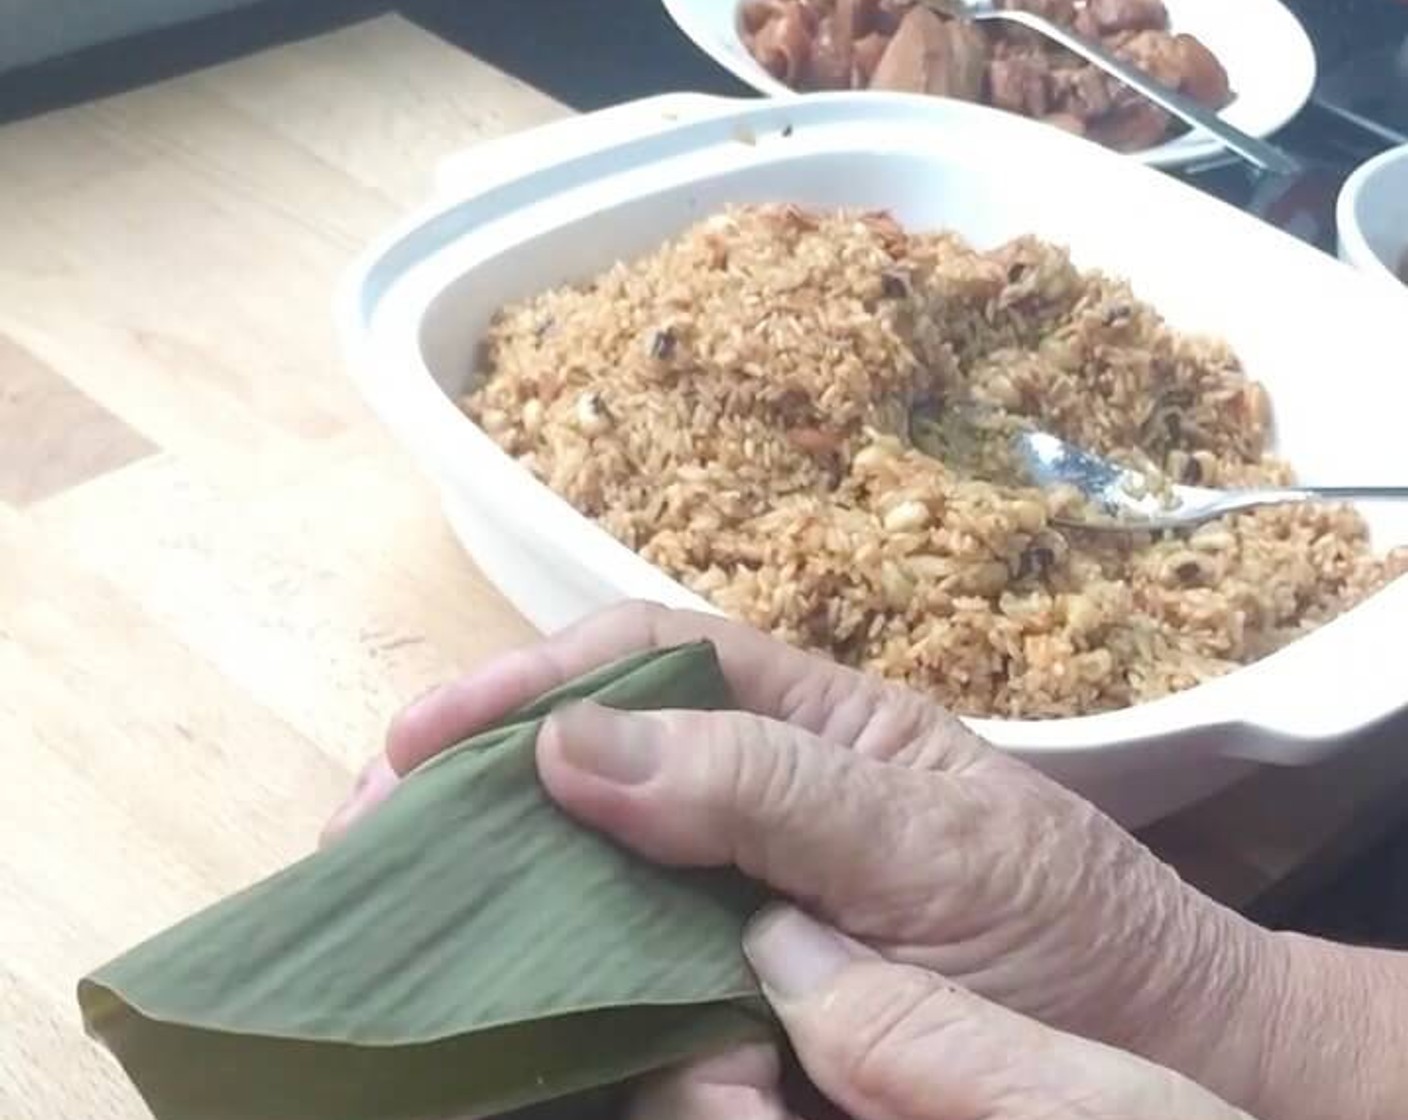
{"x": 735, "y": 407}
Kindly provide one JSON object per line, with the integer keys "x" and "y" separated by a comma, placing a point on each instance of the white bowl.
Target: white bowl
{"x": 1265, "y": 50}
{"x": 563, "y": 202}
{"x": 1372, "y": 215}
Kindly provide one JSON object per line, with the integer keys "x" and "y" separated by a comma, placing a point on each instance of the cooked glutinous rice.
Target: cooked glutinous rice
{"x": 737, "y": 407}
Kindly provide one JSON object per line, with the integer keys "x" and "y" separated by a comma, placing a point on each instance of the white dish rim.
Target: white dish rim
{"x": 1354, "y": 246}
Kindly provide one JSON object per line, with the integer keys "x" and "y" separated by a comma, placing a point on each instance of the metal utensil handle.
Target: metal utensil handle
{"x": 1234, "y": 501}
{"x": 1363, "y": 492}
{"x": 1258, "y": 152}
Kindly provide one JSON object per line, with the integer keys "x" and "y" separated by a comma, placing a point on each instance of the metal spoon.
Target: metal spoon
{"x": 1131, "y": 503}
{"x": 1259, "y": 153}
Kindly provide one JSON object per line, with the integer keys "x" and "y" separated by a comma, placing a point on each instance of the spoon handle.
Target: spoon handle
{"x": 1257, "y": 152}
{"x": 1351, "y": 492}
{"x": 1233, "y": 501}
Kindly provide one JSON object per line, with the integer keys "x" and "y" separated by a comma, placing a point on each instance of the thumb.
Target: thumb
{"x": 893, "y": 1042}
{"x": 810, "y": 818}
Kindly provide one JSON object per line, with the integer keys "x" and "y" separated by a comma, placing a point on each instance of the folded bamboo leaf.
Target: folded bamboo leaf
{"x": 465, "y": 951}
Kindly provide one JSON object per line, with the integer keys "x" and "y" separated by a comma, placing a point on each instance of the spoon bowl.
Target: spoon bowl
{"x": 1126, "y": 500}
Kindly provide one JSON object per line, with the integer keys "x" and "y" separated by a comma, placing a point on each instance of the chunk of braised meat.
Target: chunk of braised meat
{"x": 1131, "y": 127}
{"x": 753, "y": 15}
{"x": 1204, "y": 77}
{"x": 1127, "y": 15}
{"x": 865, "y": 58}
{"x": 782, "y": 44}
{"x": 832, "y": 48}
{"x": 850, "y": 36}
{"x": 968, "y": 61}
{"x": 933, "y": 55}
{"x": 1081, "y": 91}
{"x": 903, "y": 65}
{"x": 1157, "y": 53}
{"x": 1180, "y": 62}
{"x": 1020, "y": 84}
{"x": 1066, "y": 121}
{"x": 828, "y": 64}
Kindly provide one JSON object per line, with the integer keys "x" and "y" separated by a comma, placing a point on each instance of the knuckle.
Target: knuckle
{"x": 760, "y": 766}
{"x": 835, "y": 699}
{"x": 752, "y": 770}
{"x": 894, "y": 723}
{"x": 768, "y": 778}
{"x": 932, "y": 738}
{"x": 636, "y": 616}
{"x": 657, "y": 626}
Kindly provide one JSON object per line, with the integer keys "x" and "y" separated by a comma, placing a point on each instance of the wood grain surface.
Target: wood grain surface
{"x": 217, "y": 577}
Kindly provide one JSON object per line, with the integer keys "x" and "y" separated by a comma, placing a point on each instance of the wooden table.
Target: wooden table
{"x": 217, "y": 577}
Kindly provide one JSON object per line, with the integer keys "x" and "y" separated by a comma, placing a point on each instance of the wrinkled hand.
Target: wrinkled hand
{"x": 872, "y": 808}
{"x": 894, "y": 1042}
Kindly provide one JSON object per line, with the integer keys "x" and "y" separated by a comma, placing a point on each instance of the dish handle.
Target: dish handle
{"x": 1342, "y": 680}
{"x": 509, "y": 157}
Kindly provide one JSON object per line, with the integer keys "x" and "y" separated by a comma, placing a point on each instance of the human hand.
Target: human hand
{"x": 874, "y": 809}
{"x": 894, "y": 1042}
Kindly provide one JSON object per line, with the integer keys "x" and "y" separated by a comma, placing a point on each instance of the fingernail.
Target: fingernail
{"x": 374, "y": 785}
{"x": 793, "y": 954}
{"x": 411, "y": 710}
{"x": 617, "y": 747}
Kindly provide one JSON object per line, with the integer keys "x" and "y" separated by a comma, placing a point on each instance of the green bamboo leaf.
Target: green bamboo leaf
{"x": 465, "y": 951}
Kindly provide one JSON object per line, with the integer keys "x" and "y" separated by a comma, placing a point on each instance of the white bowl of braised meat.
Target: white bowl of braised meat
{"x": 1252, "y": 60}
{"x": 1373, "y": 217}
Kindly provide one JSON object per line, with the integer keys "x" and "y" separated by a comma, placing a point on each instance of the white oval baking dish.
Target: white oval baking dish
{"x": 564, "y": 201}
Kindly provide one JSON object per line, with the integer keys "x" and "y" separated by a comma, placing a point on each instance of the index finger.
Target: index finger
{"x": 767, "y": 676}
